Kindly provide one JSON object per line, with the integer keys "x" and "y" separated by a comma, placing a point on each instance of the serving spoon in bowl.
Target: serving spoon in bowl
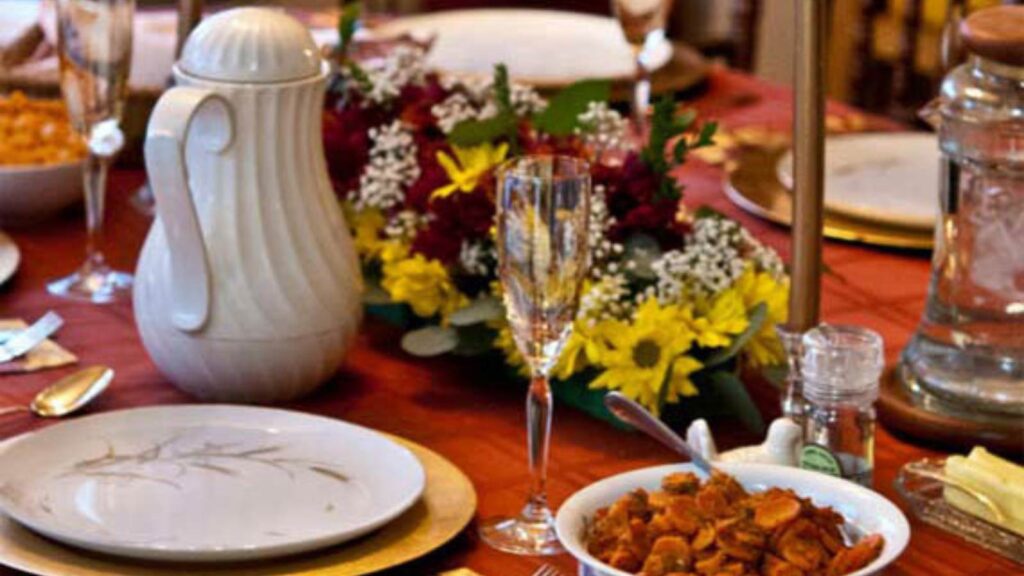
{"x": 67, "y": 394}
{"x": 640, "y": 418}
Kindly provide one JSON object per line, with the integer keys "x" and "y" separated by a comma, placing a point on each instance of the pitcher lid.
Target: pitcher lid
{"x": 257, "y": 45}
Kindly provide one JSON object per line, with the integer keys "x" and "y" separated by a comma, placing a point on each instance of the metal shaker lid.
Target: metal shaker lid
{"x": 996, "y": 34}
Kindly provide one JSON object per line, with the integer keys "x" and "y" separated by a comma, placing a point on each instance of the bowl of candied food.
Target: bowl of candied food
{"x": 40, "y": 159}
{"x": 747, "y": 519}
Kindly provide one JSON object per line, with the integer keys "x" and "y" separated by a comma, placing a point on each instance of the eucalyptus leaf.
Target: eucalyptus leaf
{"x": 735, "y": 395}
{"x": 430, "y": 341}
{"x": 374, "y": 294}
{"x": 561, "y": 117}
{"x": 757, "y": 318}
{"x": 479, "y": 310}
{"x": 643, "y": 250}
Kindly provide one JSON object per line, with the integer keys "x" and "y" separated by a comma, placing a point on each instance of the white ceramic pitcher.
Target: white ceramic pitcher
{"x": 248, "y": 286}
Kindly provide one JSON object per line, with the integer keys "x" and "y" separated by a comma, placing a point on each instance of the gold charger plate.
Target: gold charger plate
{"x": 447, "y": 505}
{"x": 754, "y": 186}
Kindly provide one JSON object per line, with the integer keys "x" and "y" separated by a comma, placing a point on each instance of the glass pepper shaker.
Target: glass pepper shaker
{"x": 841, "y": 367}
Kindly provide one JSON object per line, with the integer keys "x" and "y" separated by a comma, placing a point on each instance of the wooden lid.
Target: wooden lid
{"x": 996, "y": 33}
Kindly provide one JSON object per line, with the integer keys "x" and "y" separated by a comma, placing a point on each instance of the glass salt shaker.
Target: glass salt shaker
{"x": 841, "y": 367}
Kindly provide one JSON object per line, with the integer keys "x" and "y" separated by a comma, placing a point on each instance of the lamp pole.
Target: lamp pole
{"x": 808, "y": 190}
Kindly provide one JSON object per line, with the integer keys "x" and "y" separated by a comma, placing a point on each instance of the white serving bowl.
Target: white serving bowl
{"x": 31, "y": 193}
{"x": 867, "y": 511}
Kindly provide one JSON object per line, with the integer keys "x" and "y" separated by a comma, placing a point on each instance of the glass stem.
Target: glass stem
{"x": 538, "y": 430}
{"x": 641, "y": 94}
{"x": 96, "y": 168}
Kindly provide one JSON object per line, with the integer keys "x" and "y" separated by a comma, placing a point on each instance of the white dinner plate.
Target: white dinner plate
{"x": 890, "y": 177}
{"x": 865, "y": 511}
{"x": 10, "y": 258}
{"x": 206, "y": 483}
{"x": 545, "y": 48}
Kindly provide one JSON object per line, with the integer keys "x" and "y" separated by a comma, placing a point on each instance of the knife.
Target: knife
{"x": 30, "y": 337}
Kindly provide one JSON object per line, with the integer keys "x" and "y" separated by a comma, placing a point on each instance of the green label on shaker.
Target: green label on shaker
{"x": 820, "y": 459}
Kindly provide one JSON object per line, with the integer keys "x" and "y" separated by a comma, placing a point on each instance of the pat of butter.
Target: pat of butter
{"x": 1000, "y": 480}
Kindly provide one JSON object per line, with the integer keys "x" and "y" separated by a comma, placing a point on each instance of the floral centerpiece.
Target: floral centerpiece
{"x": 678, "y": 299}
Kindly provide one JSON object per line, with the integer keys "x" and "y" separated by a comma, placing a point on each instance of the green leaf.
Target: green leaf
{"x": 707, "y": 135}
{"x": 706, "y": 211}
{"x": 430, "y": 341}
{"x": 348, "y": 21}
{"x": 478, "y": 311}
{"x": 757, "y": 318}
{"x": 776, "y": 375}
{"x": 561, "y": 117}
{"x": 476, "y": 132}
{"x": 735, "y": 395}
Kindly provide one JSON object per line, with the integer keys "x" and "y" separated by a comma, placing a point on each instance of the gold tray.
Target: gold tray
{"x": 447, "y": 505}
{"x": 754, "y": 186}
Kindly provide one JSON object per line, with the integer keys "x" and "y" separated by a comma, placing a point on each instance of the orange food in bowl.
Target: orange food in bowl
{"x": 36, "y": 132}
{"x": 718, "y": 528}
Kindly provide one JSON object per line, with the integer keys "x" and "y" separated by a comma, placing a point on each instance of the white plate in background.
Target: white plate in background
{"x": 10, "y": 258}
{"x": 886, "y": 177}
{"x": 545, "y": 48}
{"x": 206, "y": 483}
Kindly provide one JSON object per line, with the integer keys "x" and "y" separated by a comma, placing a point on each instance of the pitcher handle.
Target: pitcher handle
{"x": 185, "y": 113}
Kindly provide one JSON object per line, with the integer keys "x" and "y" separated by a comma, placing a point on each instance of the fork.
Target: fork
{"x": 27, "y": 339}
{"x": 547, "y": 570}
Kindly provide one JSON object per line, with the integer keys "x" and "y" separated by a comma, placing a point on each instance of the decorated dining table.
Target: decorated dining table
{"x": 339, "y": 307}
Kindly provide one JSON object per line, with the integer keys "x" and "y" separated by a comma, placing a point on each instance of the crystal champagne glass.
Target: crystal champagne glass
{"x": 543, "y": 208}
{"x": 94, "y": 44}
{"x": 643, "y": 23}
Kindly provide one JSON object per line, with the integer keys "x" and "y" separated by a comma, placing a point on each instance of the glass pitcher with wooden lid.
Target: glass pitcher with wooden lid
{"x": 969, "y": 347}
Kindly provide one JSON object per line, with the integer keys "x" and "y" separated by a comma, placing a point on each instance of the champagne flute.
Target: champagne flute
{"x": 543, "y": 208}
{"x": 643, "y": 23}
{"x": 94, "y": 44}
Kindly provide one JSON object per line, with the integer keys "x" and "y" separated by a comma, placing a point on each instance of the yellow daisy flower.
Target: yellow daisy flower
{"x": 582, "y": 349}
{"x": 473, "y": 164}
{"x": 764, "y": 349}
{"x": 366, "y": 226}
{"x": 421, "y": 283}
{"x": 645, "y": 359}
{"x": 725, "y": 317}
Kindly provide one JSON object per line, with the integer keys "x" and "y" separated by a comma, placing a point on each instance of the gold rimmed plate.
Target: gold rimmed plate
{"x": 754, "y": 186}
{"x": 445, "y": 508}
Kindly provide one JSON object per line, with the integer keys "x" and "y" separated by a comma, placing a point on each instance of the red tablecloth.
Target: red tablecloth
{"x": 456, "y": 407}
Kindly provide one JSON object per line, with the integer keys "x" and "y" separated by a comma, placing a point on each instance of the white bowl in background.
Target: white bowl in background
{"x": 30, "y": 193}
{"x": 865, "y": 510}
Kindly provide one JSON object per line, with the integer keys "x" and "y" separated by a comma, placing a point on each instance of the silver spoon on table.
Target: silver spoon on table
{"x": 67, "y": 394}
{"x": 640, "y": 418}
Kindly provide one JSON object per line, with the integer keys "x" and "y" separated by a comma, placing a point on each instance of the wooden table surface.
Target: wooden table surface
{"x": 458, "y": 407}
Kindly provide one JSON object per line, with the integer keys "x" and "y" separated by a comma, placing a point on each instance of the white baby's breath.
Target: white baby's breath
{"x": 476, "y": 259}
{"x": 392, "y": 168}
{"x": 714, "y": 257}
{"x": 404, "y": 225}
{"x": 601, "y": 127}
{"x": 389, "y": 75}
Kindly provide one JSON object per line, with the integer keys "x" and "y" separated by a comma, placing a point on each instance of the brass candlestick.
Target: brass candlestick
{"x": 189, "y": 14}
{"x": 808, "y": 190}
